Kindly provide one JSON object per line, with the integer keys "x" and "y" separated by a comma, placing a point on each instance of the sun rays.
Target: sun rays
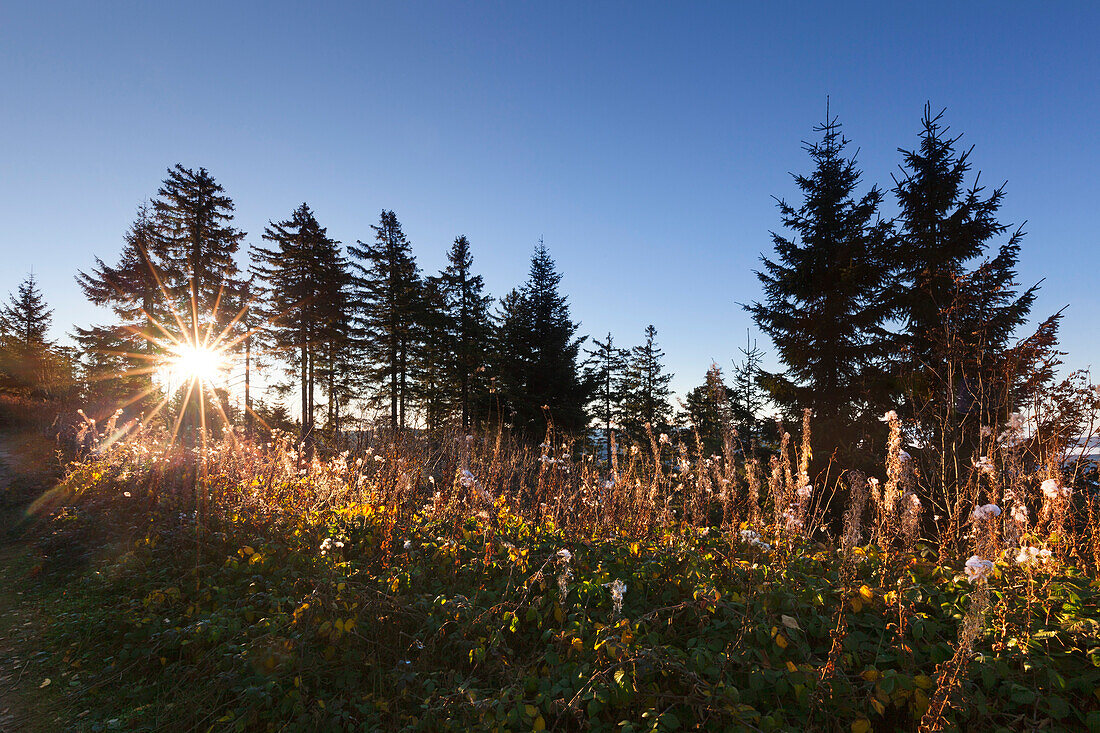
{"x": 188, "y": 359}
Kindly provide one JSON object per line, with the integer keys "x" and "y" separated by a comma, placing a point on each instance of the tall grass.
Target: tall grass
{"x": 518, "y": 529}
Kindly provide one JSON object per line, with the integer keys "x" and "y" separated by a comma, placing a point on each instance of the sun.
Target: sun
{"x": 189, "y": 363}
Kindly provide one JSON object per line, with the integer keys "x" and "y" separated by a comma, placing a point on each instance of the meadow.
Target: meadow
{"x": 477, "y": 583}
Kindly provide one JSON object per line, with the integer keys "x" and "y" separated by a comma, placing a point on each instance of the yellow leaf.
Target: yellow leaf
{"x": 339, "y": 624}
{"x": 781, "y": 641}
{"x": 540, "y": 724}
{"x": 634, "y": 548}
{"x": 395, "y": 584}
{"x": 248, "y": 550}
{"x": 349, "y": 624}
{"x": 925, "y": 682}
{"x": 531, "y": 710}
{"x": 45, "y": 683}
{"x": 866, "y": 593}
{"x": 869, "y": 674}
{"x": 791, "y": 667}
{"x": 578, "y": 644}
{"x": 857, "y": 605}
{"x": 558, "y": 616}
{"x": 861, "y": 726}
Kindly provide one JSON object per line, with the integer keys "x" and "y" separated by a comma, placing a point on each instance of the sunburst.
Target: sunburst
{"x": 195, "y": 359}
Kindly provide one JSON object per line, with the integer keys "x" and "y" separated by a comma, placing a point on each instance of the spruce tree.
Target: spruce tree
{"x": 388, "y": 300}
{"x": 709, "y": 411}
{"x": 746, "y": 395}
{"x": 538, "y": 349}
{"x": 466, "y": 308}
{"x": 645, "y": 388}
{"x": 26, "y": 318}
{"x": 120, "y": 357}
{"x": 825, "y": 307}
{"x": 434, "y": 358}
{"x": 302, "y": 282}
{"x": 604, "y": 371}
{"x": 197, "y": 248}
{"x": 958, "y": 369}
{"x": 510, "y": 358}
{"x": 29, "y": 360}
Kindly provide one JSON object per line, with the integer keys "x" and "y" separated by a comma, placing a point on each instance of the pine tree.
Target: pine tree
{"x": 537, "y": 354}
{"x": 388, "y": 298}
{"x": 197, "y": 247}
{"x": 645, "y": 388}
{"x": 604, "y": 370}
{"x": 303, "y": 281}
{"x": 825, "y": 308}
{"x": 959, "y": 370}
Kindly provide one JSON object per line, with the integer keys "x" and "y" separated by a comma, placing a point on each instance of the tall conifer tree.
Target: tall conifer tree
{"x": 960, "y": 307}
{"x": 538, "y": 351}
{"x": 825, "y": 307}
{"x": 468, "y": 330}
{"x": 26, "y": 317}
{"x": 302, "y": 279}
{"x": 388, "y": 298}
{"x": 29, "y": 360}
{"x": 604, "y": 370}
{"x": 197, "y": 249}
{"x": 645, "y": 387}
{"x": 708, "y": 408}
{"x": 121, "y": 356}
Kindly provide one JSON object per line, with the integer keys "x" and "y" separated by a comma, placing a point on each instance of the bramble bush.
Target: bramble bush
{"x": 492, "y": 587}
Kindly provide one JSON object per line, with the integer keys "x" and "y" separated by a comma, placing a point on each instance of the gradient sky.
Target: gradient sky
{"x": 643, "y": 141}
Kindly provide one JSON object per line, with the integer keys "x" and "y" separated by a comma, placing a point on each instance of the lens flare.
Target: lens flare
{"x": 189, "y": 363}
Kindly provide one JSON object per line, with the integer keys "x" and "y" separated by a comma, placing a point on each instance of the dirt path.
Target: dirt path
{"x": 31, "y": 698}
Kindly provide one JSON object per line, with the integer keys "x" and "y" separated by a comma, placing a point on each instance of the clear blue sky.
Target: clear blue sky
{"x": 643, "y": 141}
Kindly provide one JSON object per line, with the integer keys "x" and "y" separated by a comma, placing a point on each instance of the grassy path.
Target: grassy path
{"x": 28, "y": 703}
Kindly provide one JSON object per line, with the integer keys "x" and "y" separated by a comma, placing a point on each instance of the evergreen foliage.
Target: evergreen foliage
{"x": 466, "y": 332}
{"x": 537, "y": 354}
{"x": 825, "y": 305}
{"x": 747, "y": 396}
{"x": 119, "y": 358}
{"x": 388, "y": 298}
{"x": 30, "y": 363}
{"x": 604, "y": 370}
{"x": 645, "y": 388}
{"x": 710, "y": 412}
{"x": 25, "y": 319}
{"x": 302, "y": 286}
{"x": 960, "y": 307}
{"x": 196, "y": 251}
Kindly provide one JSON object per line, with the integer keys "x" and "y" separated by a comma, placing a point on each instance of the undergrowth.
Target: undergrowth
{"x": 488, "y": 587}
